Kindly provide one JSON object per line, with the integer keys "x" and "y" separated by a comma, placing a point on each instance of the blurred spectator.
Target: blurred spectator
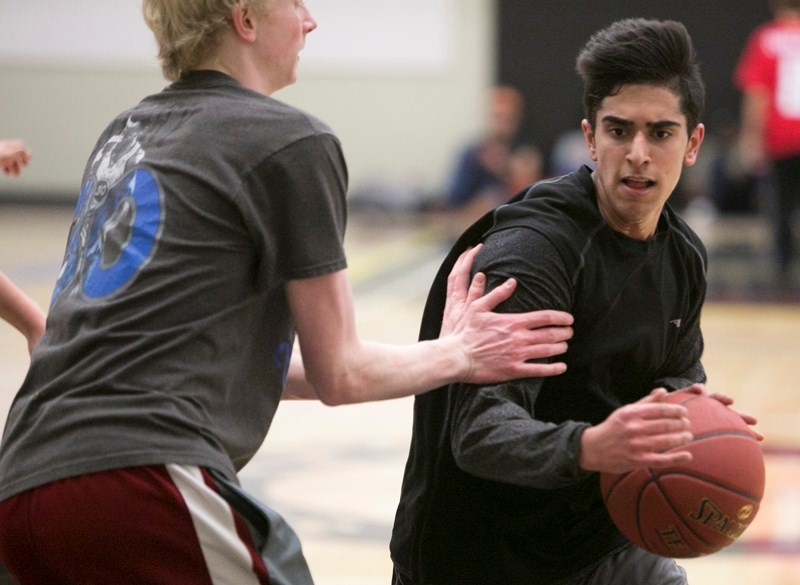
{"x": 525, "y": 166}
{"x": 732, "y": 188}
{"x": 768, "y": 74}
{"x": 491, "y": 169}
{"x": 570, "y": 152}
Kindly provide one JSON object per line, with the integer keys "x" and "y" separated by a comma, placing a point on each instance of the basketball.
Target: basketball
{"x": 700, "y": 507}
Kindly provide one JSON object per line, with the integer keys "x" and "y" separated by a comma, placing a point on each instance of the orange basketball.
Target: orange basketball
{"x": 698, "y": 508}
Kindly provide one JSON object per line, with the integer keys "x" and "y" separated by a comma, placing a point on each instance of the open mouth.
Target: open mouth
{"x": 638, "y": 183}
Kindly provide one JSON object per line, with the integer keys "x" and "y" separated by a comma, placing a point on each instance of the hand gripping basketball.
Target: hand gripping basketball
{"x": 699, "y": 507}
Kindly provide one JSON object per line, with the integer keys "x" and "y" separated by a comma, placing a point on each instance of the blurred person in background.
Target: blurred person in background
{"x": 768, "y": 75}
{"x": 488, "y": 171}
{"x": 525, "y": 167}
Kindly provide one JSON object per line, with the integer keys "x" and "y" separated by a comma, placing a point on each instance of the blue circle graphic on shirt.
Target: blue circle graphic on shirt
{"x": 124, "y": 234}
{"x": 114, "y": 235}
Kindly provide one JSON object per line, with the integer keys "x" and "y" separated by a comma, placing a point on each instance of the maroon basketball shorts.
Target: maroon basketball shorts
{"x": 164, "y": 524}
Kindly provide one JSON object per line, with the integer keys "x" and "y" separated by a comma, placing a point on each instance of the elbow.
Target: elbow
{"x": 331, "y": 398}
{"x": 462, "y": 462}
{"x": 335, "y": 392}
{"x": 470, "y": 445}
{"x": 468, "y": 461}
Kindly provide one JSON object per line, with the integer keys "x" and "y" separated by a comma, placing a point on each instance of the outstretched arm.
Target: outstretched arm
{"x": 476, "y": 345}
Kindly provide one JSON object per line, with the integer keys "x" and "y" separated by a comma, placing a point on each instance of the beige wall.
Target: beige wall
{"x": 393, "y": 126}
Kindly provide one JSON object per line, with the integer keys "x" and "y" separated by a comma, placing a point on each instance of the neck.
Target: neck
{"x": 636, "y": 227}
{"x": 233, "y": 59}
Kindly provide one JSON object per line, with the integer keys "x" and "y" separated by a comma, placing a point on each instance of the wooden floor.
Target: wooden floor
{"x": 335, "y": 473}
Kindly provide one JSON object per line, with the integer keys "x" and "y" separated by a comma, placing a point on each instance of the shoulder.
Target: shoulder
{"x": 278, "y": 123}
{"x": 545, "y": 230}
{"x": 563, "y": 205}
{"x": 295, "y": 117}
{"x": 227, "y": 111}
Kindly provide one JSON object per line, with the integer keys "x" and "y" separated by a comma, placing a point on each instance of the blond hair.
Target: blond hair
{"x": 187, "y": 31}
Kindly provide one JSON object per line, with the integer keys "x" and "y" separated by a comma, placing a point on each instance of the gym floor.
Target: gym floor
{"x": 335, "y": 473}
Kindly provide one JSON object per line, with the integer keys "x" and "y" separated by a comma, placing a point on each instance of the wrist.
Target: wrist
{"x": 586, "y": 458}
{"x": 453, "y": 361}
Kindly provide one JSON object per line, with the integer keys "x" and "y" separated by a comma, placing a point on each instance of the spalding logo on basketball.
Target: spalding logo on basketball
{"x": 698, "y": 508}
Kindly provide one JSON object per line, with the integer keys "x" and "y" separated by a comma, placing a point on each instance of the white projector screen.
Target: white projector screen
{"x": 353, "y": 36}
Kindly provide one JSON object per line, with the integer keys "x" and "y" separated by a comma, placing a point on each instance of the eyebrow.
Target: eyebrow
{"x": 609, "y": 119}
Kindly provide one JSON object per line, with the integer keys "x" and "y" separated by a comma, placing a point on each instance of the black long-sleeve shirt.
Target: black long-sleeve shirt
{"x": 493, "y": 492}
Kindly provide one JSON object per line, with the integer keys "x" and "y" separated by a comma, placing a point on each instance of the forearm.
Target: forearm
{"x": 375, "y": 371}
{"x": 547, "y": 458}
{"x": 754, "y": 113}
{"x": 371, "y": 371}
{"x": 752, "y": 130}
{"x": 496, "y": 437}
{"x": 20, "y": 311}
{"x": 481, "y": 346}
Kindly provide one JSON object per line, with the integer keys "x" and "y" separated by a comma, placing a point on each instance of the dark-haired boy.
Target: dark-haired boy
{"x": 501, "y": 484}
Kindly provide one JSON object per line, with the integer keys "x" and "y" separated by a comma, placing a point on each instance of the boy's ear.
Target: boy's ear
{"x": 243, "y": 23}
{"x": 693, "y": 146}
{"x": 588, "y": 135}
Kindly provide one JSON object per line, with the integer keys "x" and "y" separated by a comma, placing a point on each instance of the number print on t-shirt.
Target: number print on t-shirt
{"x": 787, "y": 98}
{"x": 783, "y": 45}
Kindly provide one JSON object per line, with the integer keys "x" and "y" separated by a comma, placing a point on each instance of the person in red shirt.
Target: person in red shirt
{"x": 768, "y": 74}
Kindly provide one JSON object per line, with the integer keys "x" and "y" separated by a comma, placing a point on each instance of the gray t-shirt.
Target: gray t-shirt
{"x": 169, "y": 332}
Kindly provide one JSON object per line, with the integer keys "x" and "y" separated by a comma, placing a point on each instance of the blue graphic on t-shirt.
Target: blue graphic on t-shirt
{"x": 117, "y": 221}
{"x": 114, "y": 235}
{"x": 283, "y": 357}
{"x": 127, "y": 236}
